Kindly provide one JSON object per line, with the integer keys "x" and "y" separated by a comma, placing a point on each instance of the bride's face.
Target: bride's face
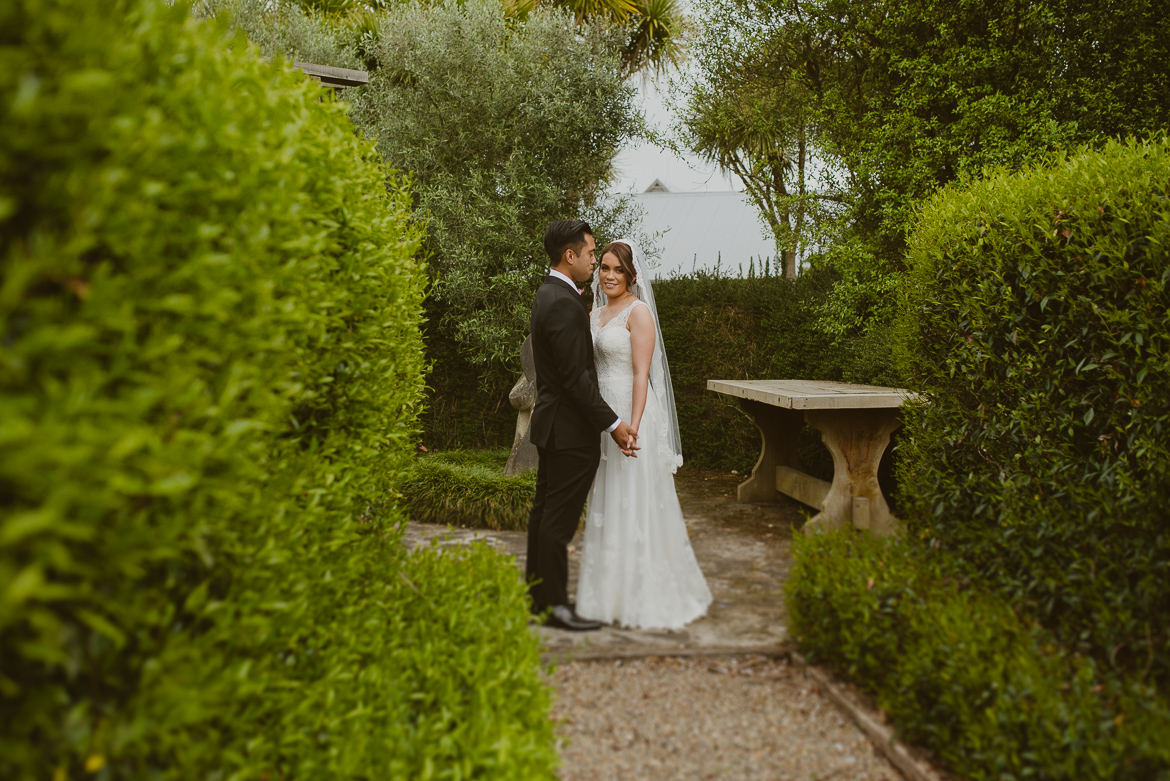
{"x": 614, "y": 282}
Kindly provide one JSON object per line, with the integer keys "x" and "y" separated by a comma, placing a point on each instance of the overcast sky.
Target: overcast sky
{"x": 639, "y": 165}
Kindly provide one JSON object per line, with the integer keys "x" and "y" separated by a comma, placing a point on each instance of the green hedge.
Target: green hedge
{"x": 960, "y": 673}
{"x": 714, "y": 327}
{"x": 468, "y": 488}
{"x": 210, "y": 380}
{"x": 720, "y": 328}
{"x": 1019, "y": 629}
{"x": 1035, "y": 320}
{"x": 754, "y": 328}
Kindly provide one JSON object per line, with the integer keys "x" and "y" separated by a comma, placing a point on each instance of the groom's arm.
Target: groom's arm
{"x": 566, "y": 331}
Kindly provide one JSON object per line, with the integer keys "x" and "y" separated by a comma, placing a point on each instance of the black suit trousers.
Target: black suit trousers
{"x": 563, "y": 479}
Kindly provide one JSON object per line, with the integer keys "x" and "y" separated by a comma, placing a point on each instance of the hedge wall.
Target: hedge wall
{"x": 1019, "y": 630}
{"x": 1036, "y": 322}
{"x": 754, "y": 328}
{"x": 714, "y": 327}
{"x": 211, "y": 370}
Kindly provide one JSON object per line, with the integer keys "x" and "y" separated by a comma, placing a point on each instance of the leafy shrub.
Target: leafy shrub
{"x": 1036, "y": 322}
{"x": 436, "y": 673}
{"x": 211, "y": 375}
{"x": 468, "y": 488}
{"x": 959, "y": 673}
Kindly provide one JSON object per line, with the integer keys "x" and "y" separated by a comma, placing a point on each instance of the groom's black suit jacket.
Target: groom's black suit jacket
{"x": 569, "y": 411}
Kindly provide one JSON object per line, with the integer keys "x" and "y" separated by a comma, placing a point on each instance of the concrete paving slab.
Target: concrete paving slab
{"x": 743, "y": 550}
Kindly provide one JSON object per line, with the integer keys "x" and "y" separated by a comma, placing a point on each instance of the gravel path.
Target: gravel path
{"x": 705, "y": 718}
{"x": 660, "y": 717}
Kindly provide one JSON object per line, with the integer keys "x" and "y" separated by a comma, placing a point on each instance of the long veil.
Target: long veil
{"x": 670, "y": 446}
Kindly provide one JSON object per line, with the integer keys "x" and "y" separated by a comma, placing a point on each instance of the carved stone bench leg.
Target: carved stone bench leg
{"x": 779, "y": 430}
{"x": 857, "y": 438}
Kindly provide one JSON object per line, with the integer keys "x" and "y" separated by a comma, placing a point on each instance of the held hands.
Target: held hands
{"x": 626, "y": 438}
{"x": 631, "y": 444}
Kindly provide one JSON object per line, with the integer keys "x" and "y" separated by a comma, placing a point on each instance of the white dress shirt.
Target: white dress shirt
{"x": 552, "y": 272}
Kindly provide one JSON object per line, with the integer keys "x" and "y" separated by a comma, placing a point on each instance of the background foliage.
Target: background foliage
{"x": 283, "y": 28}
{"x": 755, "y": 328}
{"x": 648, "y": 29}
{"x": 899, "y": 98}
{"x": 505, "y": 127}
{"x": 505, "y": 123}
{"x": 211, "y": 372}
{"x": 718, "y": 327}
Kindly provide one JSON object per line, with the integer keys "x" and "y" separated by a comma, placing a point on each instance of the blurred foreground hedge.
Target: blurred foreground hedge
{"x": 210, "y": 372}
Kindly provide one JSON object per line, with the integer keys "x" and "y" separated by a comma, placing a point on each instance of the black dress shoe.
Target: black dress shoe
{"x": 543, "y": 611}
{"x": 564, "y": 617}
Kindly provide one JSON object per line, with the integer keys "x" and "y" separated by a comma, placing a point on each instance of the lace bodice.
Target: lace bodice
{"x": 637, "y": 566}
{"x": 613, "y": 354}
{"x": 612, "y": 350}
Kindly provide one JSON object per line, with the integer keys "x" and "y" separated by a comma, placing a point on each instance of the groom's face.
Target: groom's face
{"x": 581, "y": 263}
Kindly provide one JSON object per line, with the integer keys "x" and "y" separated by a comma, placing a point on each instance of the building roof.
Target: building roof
{"x": 703, "y": 231}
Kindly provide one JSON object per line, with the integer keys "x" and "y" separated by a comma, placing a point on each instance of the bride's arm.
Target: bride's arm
{"x": 641, "y": 326}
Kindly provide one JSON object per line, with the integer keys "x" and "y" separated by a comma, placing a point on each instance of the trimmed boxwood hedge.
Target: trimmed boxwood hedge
{"x": 714, "y": 327}
{"x": 1036, "y": 322}
{"x": 959, "y": 672}
{"x": 210, "y": 372}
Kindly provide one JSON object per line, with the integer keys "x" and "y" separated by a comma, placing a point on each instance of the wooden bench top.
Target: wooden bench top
{"x": 337, "y": 77}
{"x": 813, "y": 394}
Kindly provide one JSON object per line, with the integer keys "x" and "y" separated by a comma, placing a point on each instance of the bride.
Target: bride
{"x": 637, "y": 566}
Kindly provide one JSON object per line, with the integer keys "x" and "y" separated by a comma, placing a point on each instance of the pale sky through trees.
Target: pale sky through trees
{"x": 640, "y": 164}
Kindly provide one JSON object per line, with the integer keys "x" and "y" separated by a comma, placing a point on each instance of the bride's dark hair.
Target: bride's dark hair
{"x": 625, "y": 257}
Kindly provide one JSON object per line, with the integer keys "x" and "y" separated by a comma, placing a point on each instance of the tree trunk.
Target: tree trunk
{"x": 801, "y": 205}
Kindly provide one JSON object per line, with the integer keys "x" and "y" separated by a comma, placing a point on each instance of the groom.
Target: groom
{"x": 568, "y": 416}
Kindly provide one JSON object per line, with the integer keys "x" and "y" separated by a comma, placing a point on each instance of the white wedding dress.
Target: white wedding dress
{"x": 637, "y": 566}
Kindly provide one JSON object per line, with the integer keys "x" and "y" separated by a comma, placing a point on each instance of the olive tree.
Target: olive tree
{"x": 505, "y": 126}
{"x": 651, "y": 30}
{"x": 282, "y": 28}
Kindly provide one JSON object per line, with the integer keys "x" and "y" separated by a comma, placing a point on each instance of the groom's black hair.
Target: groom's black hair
{"x": 562, "y": 235}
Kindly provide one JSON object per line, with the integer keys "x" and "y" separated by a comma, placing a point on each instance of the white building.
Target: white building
{"x": 705, "y": 231}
